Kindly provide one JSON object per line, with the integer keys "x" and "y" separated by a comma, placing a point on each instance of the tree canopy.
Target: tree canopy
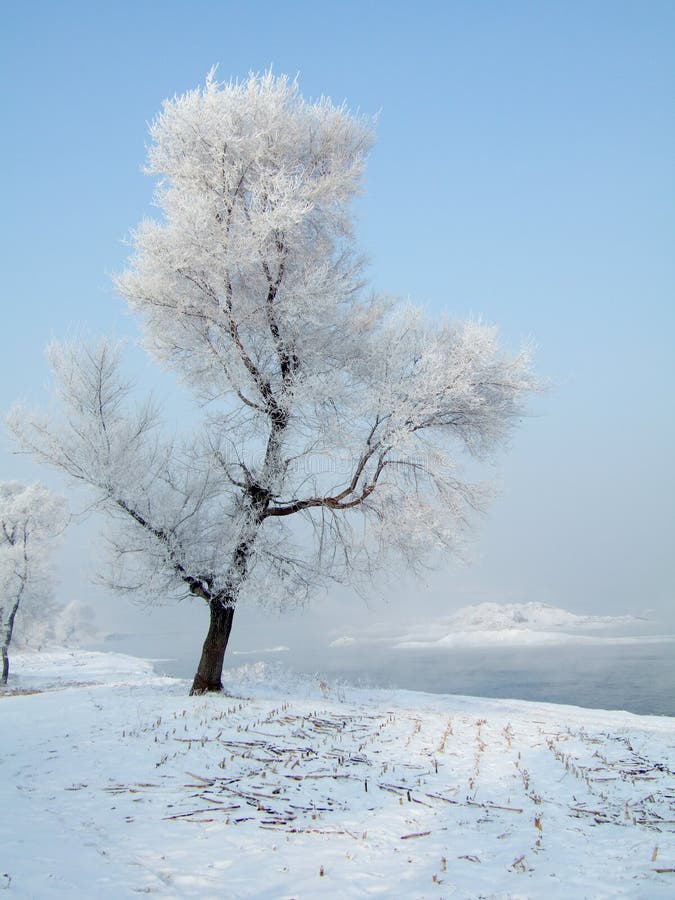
{"x": 333, "y": 419}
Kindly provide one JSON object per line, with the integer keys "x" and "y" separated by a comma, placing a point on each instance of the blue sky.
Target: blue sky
{"x": 523, "y": 172}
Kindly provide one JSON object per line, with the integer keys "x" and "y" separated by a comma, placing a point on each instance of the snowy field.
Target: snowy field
{"x": 114, "y": 783}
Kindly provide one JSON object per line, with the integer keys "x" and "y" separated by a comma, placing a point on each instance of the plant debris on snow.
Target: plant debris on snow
{"x": 284, "y": 787}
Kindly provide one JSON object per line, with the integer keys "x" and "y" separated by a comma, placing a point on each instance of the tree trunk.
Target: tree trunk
{"x": 7, "y": 637}
{"x": 210, "y": 670}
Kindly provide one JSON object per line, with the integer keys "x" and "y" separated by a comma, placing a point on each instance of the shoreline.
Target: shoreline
{"x": 259, "y": 671}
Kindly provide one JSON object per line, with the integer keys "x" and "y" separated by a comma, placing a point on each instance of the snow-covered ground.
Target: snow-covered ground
{"x": 113, "y": 782}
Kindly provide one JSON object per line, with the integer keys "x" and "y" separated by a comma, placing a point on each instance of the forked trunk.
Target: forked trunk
{"x": 210, "y": 670}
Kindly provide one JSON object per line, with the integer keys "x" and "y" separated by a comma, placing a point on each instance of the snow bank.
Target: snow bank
{"x": 510, "y": 624}
{"x": 265, "y": 650}
{"x": 56, "y": 668}
{"x": 497, "y": 616}
{"x": 346, "y": 641}
{"x": 519, "y": 637}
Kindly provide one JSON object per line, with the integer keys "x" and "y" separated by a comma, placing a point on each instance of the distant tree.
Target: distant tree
{"x": 31, "y": 517}
{"x": 74, "y": 624}
{"x": 330, "y": 419}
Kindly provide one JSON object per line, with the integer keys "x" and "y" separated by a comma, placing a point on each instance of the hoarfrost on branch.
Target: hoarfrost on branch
{"x": 332, "y": 418}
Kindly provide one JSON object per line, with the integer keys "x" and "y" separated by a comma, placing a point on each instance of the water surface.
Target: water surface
{"x": 638, "y": 677}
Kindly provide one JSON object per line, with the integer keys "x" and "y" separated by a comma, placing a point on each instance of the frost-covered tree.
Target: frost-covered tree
{"x": 31, "y": 517}
{"x": 74, "y": 624}
{"x": 330, "y": 418}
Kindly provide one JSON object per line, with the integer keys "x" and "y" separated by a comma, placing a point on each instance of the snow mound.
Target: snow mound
{"x": 522, "y": 637}
{"x": 501, "y": 624}
{"x": 343, "y": 642}
{"x": 535, "y": 616}
{"x": 517, "y": 624}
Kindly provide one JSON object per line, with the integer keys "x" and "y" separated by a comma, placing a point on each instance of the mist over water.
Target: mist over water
{"x": 638, "y": 677}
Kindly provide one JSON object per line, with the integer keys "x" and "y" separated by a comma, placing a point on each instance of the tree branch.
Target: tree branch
{"x": 200, "y": 586}
{"x": 337, "y": 501}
